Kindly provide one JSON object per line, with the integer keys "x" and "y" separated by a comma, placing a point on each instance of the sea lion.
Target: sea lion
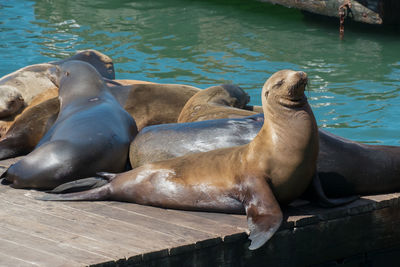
{"x": 348, "y": 168}
{"x": 91, "y": 134}
{"x": 147, "y": 103}
{"x": 338, "y": 164}
{"x": 30, "y": 85}
{"x": 277, "y": 164}
{"x": 223, "y": 101}
{"x": 27, "y": 130}
{"x": 32, "y": 80}
{"x": 151, "y": 104}
{"x": 165, "y": 141}
{"x": 11, "y": 100}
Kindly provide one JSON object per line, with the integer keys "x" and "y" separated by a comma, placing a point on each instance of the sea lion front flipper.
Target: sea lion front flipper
{"x": 264, "y": 215}
{"x": 326, "y": 202}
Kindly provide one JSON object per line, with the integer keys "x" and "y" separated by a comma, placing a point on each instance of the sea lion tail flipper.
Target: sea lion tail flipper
{"x": 80, "y": 185}
{"x": 264, "y": 215}
{"x": 326, "y": 202}
{"x": 100, "y": 193}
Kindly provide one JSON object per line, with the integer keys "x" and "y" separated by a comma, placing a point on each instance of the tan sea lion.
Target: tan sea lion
{"x": 277, "y": 164}
{"x": 92, "y": 132}
{"x": 223, "y": 101}
{"x": 11, "y": 101}
{"x": 151, "y": 104}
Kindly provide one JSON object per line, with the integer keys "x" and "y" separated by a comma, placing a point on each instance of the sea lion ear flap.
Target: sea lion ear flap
{"x": 264, "y": 215}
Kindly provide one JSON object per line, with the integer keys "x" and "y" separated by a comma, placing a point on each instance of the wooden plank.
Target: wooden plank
{"x": 135, "y": 232}
{"x": 6, "y": 260}
{"x": 41, "y": 245}
{"x": 167, "y": 234}
{"x": 63, "y": 230}
{"x": 32, "y": 255}
{"x": 75, "y": 247}
{"x": 98, "y": 228}
{"x": 185, "y": 219}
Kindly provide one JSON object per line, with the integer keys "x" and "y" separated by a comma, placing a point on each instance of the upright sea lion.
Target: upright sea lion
{"x": 91, "y": 134}
{"x": 277, "y": 164}
{"x": 338, "y": 163}
{"x": 223, "y": 101}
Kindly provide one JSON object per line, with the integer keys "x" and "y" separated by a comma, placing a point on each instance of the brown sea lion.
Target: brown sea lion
{"x": 92, "y": 132}
{"x": 277, "y": 164}
{"x": 338, "y": 165}
{"x": 223, "y": 101}
{"x": 151, "y": 104}
{"x": 27, "y": 130}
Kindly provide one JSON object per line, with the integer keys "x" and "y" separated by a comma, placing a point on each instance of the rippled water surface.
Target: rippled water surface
{"x": 354, "y": 84}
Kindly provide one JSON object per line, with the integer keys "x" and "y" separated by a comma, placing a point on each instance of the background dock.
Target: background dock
{"x": 37, "y": 233}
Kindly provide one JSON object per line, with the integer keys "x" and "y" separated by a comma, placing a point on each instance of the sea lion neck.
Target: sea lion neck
{"x": 81, "y": 90}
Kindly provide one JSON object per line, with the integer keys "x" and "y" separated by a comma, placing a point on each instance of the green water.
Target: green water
{"x": 354, "y": 84}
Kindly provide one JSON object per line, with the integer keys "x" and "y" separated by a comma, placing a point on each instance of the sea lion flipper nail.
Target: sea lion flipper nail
{"x": 264, "y": 215}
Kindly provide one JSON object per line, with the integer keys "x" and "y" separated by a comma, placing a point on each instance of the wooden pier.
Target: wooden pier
{"x": 37, "y": 233}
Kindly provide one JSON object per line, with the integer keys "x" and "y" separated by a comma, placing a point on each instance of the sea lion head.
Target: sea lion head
{"x": 285, "y": 87}
{"x": 101, "y": 62}
{"x": 237, "y": 96}
{"x": 74, "y": 72}
{"x": 76, "y": 79}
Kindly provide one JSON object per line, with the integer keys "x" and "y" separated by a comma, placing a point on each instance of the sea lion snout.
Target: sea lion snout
{"x": 300, "y": 80}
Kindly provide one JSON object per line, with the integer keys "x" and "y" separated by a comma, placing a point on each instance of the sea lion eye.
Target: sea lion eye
{"x": 280, "y": 82}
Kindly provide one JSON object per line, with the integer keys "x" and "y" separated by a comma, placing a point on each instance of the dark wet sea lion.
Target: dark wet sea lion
{"x": 91, "y": 134}
{"x": 165, "y": 141}
{"x": 249, "y": 178}
{"x": 148, "y": 103}
{"x": 345, "y": 168}
{"x": 222, "y": 101}
{"x": 30, "y": 85}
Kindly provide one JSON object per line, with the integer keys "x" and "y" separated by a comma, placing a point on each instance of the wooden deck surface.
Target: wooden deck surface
{"x": 37, "y": 233}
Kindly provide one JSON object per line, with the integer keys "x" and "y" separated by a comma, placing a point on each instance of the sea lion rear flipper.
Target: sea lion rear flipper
{"x": 326, "y": 202}
{"x": 264, "y": 215}
{"x": 80, "y": 185}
